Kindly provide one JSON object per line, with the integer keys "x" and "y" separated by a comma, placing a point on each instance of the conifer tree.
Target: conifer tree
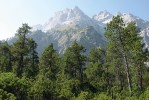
{"x": 74, "y": 61}
{"x": 95, "y": 70}
{"x": 124, "y": 47}
{"x": 25, "y": 57}
{"x": 138, "y": 51}
{"x": 49, "y": 63}
{"x": 32, "y": 59}
{"x": 5, "y": 57}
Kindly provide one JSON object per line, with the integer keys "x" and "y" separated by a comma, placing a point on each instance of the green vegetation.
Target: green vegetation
{"x": 117, "y": 72}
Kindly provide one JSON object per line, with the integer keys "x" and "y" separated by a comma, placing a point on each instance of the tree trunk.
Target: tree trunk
{"x": 20, "y": 65}
{"x": 108, "y": 81}
{"x": 33, "y": 55}
{"x": 140, "y": 77}
{"x": 81, "y": 73}
{"x": 10, "y": 62}
{"x": 21, "y": 60}
{"x": 126, "y": 65}
{"x": 128, "y": 73}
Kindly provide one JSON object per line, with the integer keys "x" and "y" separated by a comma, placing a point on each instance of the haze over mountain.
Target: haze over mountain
{"x": 71, "y": 25}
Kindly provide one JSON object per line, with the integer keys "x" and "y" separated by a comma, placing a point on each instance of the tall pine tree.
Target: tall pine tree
{"x": 49, "y": 63}
{"x": 124, "y": 47}
{"x": 74, "y": 61}
{"x": 5, "y": 57}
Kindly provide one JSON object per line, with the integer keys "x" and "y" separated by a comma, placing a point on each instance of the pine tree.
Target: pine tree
{"x": 5, "y": 57}
{"x": 49, "y": 63}
{"x": 74, "y": 61}
{"x": 116, "y": 56}
{"x": 137, "y": 49}
{"x": 97, "y": 55}
{"x": 48, "y": 71}
{"x": 32, "y": 59}
{"x": 22, "y": 32}
{"x": 124, "y": 47}
{"x": 95, "y": 70}
{"x": 23, "y": 51}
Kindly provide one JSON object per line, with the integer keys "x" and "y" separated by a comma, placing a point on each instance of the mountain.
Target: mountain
{"x": 67, "y": 18}
{"x": 66, "y": 27}
{"x": 71, "y": 25}
{"x": 37, "y": 27}
{"x": 103, "y": 17}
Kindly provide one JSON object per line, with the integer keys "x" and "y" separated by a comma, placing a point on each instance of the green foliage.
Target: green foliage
{"x": 25, "y": 57}
{"x": 115, "y": 73}
{"x": 74, "y": 61}
{"x": 49, "y": 63}
{"x": 96, "y": 76}
{"x": 95, "y": 70}
{"x": 24, "y": 30}
{"x": 97, "y": 55}
{"x": 82, "y": 96}
{"x": 102, "y": 96}
{"x": 5, "y": 57}
{"x": 12, "y": 84}
{"x": 41, "y": 89}
{"x": 31, "y": 69}
{"x": 68, "y": 89}
{"x": 125, "y": 55}
{"x": 6, "y": 96}
{"x": 145, "y": 95}
{"x": 132, "y": 98}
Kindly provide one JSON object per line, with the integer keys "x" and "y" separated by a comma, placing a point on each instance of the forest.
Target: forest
{"x": 118, "y": 71}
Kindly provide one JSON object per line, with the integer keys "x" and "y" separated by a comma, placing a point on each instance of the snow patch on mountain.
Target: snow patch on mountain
{"x": 69, "y": 25}
{"x": 68, "y": 17}
{"x": 142, "y": 24}
{"x": 145, "y": 34}
{"x": 103, "y": 17}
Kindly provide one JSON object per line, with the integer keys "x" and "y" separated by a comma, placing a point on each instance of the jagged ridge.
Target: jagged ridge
{"x": 72, "y": 24}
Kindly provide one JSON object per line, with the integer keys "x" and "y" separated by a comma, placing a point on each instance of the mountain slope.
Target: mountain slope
{"x": 87, "y": 36}
{"x": 71, "y": 25}
{"x": 68, "y": 26}
{"x": 103, "y": 17}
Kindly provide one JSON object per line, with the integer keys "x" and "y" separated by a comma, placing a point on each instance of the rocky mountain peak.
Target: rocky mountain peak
{"x": 72, "y": 24}
{"x": 65, "y": 17}
{"x": 103, "y": 16}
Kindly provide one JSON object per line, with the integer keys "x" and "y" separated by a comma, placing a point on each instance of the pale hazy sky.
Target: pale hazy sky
{"x": 15, "y": 12}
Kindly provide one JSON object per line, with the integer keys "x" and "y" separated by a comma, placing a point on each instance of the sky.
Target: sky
{"x": 15, "y": 12}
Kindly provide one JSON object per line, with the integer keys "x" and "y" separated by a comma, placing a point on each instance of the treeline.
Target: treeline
{"x": 116, "y": 72}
